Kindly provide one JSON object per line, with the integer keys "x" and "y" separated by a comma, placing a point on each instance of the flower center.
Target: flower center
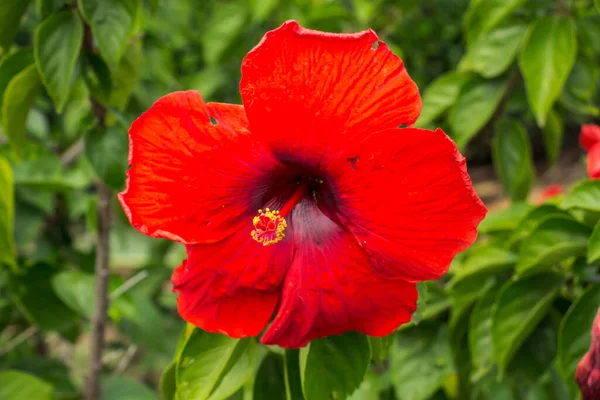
{"x": 270, "y": 224}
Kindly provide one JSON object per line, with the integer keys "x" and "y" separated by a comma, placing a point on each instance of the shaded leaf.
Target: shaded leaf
{"x": 112, "y": 22}
{"x": 547, "y": 57}
{"x": 334, "y": 366}
{"x": 107, "y": 150}
{"x": 10, "y": 66}
{"x": 480, "y": 333}
{"x": 553, "y": 134}
{"x": 520, "y": 306}
{"x": 19, "y": 96}
{"x": 270, "y": 381}
{"x": 124, "y": 388}
{"x": 474, "y": 107}
{"x": 293, "y": 378}
{"x": 57, "y": 44}
{"x": 420, "y": 361}
{"x": 574, "y": 334}
{"x": 125, "y": 77}
{"x": 593, "y": 253}
{"x": 552, "y": 241}
{"x": 11, "y": 13}
{"x": 512, "y": 158}
{"x": 167, "y": 385}
{"x": 440, "y": 95}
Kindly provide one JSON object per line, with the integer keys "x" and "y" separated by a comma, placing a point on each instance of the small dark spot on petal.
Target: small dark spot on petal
{"x": 403, "y": 126}
{"x": 375, "y": 45}
{"x": 213, "y": 120}
{"x": 353, "y": 161}
{"x": 318, "y": 244}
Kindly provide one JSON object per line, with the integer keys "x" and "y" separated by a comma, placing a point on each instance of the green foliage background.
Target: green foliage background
{"x": 502, "y": 77}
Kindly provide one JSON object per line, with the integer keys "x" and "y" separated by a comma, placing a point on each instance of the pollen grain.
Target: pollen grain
{"x": 268, "y": 227}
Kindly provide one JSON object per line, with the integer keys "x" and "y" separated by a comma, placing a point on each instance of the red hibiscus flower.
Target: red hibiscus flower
{"x": 549, "y": 192}
{"x": 307, "y": 205}
{"x": 588, "y": 369}
{"x": 590, "y": 141}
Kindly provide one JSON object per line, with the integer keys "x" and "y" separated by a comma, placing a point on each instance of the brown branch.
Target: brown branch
{"x": 93, "y": 387}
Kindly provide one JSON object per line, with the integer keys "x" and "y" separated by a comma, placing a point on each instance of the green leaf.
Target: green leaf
{"x": 553, "y": 134}
{"x": 480, "y": 333}
{"x": 380, "y": 347}
{"x": 547, "y": 57}
{"x": 585, "y": 196}
{"x": 485, "y": 259}
{"x": 10, "y": 66}
{"x": 504, "y": 220}
{"x": 107, "y": 149}
{"x": 222, "y": 30}
{"x": 167, "y": 384}
{"x": 512, "y": 158}
{"x": 46, "y": 7}
{"x": 16, "y": 385}
{"x": 32, "y": 293}
{"x": 47, "y": 173}
{"x": 597, "y": 3}
{"x": 474, "y": 107}
{"x": 75, "y": 289}
{"x": 532, "y": 220}
{"x": 11, "y": 13}
{"x": 124, "y": 388}
{"x": 482, "y": 16}
{"x": 293, "y": 381}
{"x": 19, "y": 96}
{"x": 520, "y": 306}
{"x": 7, "y": 215}
{"x": 334, "y": 366}
{"x": 126, "y": 76}
{"x": 593, "y": 253}
{"x": 582, "y": 80}
{"x": 112, "y": 22}
{"x": 97, "y": 77}
{"x": 574, "y": 335}
{"x": 440, "y": 95}
{"x": 371, "y": 386}
{"x": 261, "y": 9}
{"x": 270, "y": 380}
{"x": 420, "y": 361}
{"x": 57, "y": 44}
{"x": 552, "y": 241}
{"x": 494, "y": 51}
{"x": 206, "y": 359}
{"x": 49, "y": 370}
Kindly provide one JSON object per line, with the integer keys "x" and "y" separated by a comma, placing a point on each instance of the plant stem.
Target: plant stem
{"x": 93, "y": 386}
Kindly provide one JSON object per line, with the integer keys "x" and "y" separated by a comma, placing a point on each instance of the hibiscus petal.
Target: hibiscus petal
{"x": 589, "y": 136}
{"x": 406, "y": 196}
{"x": 191, "y": 180}
{"x": 593, "y": 162}
{"x": 305, "y": 90}
{"x": 233, "y": 286}
{"x": 331, "y": 287}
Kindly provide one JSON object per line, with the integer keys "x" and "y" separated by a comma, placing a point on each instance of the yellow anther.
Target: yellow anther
{"x": 268, "y": 227}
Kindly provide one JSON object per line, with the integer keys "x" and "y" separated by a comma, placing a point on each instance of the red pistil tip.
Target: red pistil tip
{"x": 268, "y": 227}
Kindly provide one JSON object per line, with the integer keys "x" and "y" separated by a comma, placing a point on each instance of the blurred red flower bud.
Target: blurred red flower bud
{"x": 588, "y": 369}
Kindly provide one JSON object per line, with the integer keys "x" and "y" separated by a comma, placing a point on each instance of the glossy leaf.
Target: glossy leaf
{"x": 440, "y": 95}
{"x": 124, "y": 388}
{"x": 480, "y": 333}
{"x": 334, "y": 366}
{"x": 494, "y": 51}
{"x": 15, "y": 385}
{"x": 10, "y": 66}
{"x": 7, "y": 215}
{"x": 553, "y": 134}
{"x": 420, "y": 361}
{"x": 107, "y": 150}
{"x": 520, "y": 306}
{"x": 546, "y": 59}
{"x": 512, "y": 158}
{"x": 504, "y": 220}
{"x": 474, "y": 107}
{"x": 593, "y": 253}
{"x": 485, "y": 259}
{"x": 112, "y": 22}
{"x": 11, "y": 13}
{"x": 482, "y": 16}
{"x": 574, "y": 334}
{"x": 57, "y": 44}
{"x": 18, "y": 98}
{"x": 205, "y": 360}
{"x": 552, "y": 241}
{"x": 585, "y": 196}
